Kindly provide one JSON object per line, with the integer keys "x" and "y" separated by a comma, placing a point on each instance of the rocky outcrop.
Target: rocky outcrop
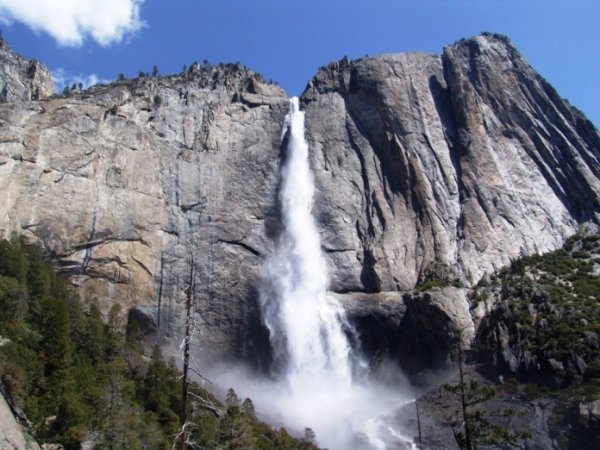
{"x": 420, "y": 330}
{"x": 12, "y": 436}
{"x": 22, "y": 79}
{"x": 435, "y": 324}
{"x": 542, "y": 316}
{"x": 376, "y": 321}
{"x": 427, "y": 166}
{"x": 538, "y": 421}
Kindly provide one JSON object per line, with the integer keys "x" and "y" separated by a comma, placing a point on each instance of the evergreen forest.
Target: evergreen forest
{"x": 73, "y": 375}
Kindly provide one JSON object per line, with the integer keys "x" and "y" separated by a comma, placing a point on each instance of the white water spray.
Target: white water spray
{"x": 312, "y": 353}
{"x": 306, "y": 327}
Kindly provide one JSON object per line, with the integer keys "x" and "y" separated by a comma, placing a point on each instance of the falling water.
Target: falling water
{"x": 306, "y": 326}
{"x": 317, "y": 369}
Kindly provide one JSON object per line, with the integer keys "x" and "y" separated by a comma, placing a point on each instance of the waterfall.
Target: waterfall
{"x": 313, "y": 359}
{"x": 306, "y": 326}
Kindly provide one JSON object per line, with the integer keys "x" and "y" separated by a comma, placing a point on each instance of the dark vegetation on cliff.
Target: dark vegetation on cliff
{"x": 531, "y": 378}
{"x": 544, "y": 326}
{"x": 231, "y": 76}
{"x": 534, "y": 367}
{"x": 74, "y": 375}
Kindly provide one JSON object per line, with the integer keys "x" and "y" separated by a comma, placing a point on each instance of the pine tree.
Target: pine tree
{"x": 248, "y": 409}
{"x": 157, "y": 389}
{"x": 308, "y": 440}
{"x": 234, "y": 429}
{"x": 116, "y": 427}
{"x": 56, "y": 345}
{"x": 283, "y": 440}
{"x": 92, "y": 338}
{"x": 13, "y": 297}
{"x": 115, "y": 337}
{"x": 13, "y": 260}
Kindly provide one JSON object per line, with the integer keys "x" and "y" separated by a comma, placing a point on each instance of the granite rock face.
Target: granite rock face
{"x": 130, "y": 186}
{"x": 428, "y": 167}
{"x": 12, "y": 435}
{"x": 461, "y": 161}
{"x": 419, "y": 330}
{"x": 22, "y": 79}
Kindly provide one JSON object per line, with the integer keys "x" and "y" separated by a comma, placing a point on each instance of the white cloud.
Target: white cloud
{"x": 62, "y": 78}
{"x": 71, "y": 21}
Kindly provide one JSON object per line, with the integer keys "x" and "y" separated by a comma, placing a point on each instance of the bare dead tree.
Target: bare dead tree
{"x": 418, "y": 422}
{"x": 463, "y": 400}
{"x": 189, "y": 305}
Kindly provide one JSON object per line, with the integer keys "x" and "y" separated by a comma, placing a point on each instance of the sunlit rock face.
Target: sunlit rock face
{"x": 464, "y": 160}
{"x": 426, "y": 167}
{"x": 130, "y": 185}
{"x": 12, "y": 435}
{"x": 22, "y": 79}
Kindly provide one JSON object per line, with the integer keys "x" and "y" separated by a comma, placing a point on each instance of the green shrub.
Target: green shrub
{"x": 564, "y": 315}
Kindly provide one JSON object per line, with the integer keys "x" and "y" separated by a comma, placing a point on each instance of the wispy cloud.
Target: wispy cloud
{"x": 62, "y": 78}
{"x": 71, "y": 21}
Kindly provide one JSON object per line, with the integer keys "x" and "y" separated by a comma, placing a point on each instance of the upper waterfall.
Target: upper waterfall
{"x": 306, "y": 326}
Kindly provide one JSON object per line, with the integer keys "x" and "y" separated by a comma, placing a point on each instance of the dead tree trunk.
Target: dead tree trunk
{"x": 463, "y": 400}
{"x": 189, "y": 304}
{"x": 419, "y": 422}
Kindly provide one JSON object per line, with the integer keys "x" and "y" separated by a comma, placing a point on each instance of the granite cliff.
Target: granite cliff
{"x": 12, "y": 435}
{"x": 432, "y": 170}
{"x": 22, "y": 79}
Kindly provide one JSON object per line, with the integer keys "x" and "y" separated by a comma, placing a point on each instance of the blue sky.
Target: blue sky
{"x": 287, "y": 41}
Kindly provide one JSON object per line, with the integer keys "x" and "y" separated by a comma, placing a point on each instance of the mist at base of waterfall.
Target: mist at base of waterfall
{"x": 362, "y": 415}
